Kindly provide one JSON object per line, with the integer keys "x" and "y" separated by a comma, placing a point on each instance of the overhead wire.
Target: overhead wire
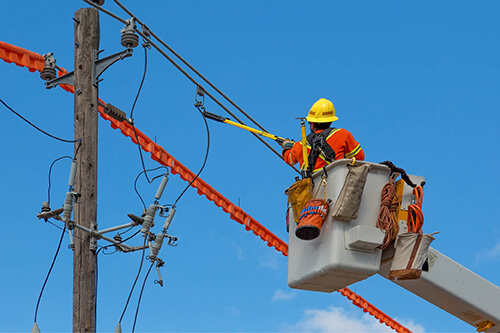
{"x": 136, "y": 278}
{"x": 48, "y": 274}
{"x": 178, "y": 56}
{"x": 50, "y": 172}
{"x": 137, "y": 178}
{"x": 199, "y": 108}
{"x": 189, "y": 76}
{"x": 36, "y": 127}
{"x": 133, "y": 107}
{"x": 140, "y": 296}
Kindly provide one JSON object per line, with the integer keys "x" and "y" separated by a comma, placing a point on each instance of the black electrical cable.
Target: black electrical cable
{"x": 140, "y": 173}
{"x": 190, "y": 66}
{"x": 133, "y": 107}
{"x": 48, "y": 274}
{"x": 206, "y": 155}
{"x": 58, "y": 227}
{"x": 143, "y": 35}
{"x": 140, "y": 296}
{"x": 136, "y": 278}
{"x": 36, "y": 127}
{"x": 50, "y": 172}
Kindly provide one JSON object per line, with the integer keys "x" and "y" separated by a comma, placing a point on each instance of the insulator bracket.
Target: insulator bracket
{"x": 100, "y": 65}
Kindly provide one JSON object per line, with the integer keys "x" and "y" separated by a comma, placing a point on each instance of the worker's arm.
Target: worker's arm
{"x": 292, "y": 152}
{"x": 353, "y": 148}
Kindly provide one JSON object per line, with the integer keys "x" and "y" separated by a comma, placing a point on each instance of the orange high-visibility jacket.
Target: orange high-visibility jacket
{"x": 341, "y": 141}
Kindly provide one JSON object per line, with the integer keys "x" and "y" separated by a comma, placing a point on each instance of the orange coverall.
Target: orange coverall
{"x": 341, "y": 141}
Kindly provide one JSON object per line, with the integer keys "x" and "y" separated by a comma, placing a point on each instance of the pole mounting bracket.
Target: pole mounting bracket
{"x": 100, "y": 65}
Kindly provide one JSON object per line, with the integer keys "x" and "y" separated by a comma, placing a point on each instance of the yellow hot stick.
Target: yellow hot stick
{"x": 253, "y": 130}
{"x": 304, "y": 145}
{"x": 218, "y": 118}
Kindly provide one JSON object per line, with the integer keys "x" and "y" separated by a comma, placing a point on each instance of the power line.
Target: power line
{"x": 140, "y": 296}
{"x": 136, "y": 278}
{"x": 36, "y": 127}
{"x": 200, "y": 108}
{"x": 50, "y": 270}
{"x": 140, "y": 173}
{"x": 187, "y": 75}
{"x": 50, "y": 172}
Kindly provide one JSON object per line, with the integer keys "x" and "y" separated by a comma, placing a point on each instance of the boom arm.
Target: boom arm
{"x": 453, "y": 288}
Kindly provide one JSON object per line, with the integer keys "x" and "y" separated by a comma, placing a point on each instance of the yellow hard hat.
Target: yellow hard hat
{"x": 322, "y": 111}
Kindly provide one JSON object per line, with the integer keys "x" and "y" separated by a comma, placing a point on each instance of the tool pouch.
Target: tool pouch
{"x": 347, "y": 205}
{"x": 298, "y": 194}
{"x": 411, "y": 251}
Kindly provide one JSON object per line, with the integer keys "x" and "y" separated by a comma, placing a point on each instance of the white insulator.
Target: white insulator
{"x": 68, "y": 207}
{"x": 164, "y": 182}
{"x": 170, "y": 216}
{"x": 72, "y": 174}
{"x": 149, "y": 219}
{"x": 156, "y": 246}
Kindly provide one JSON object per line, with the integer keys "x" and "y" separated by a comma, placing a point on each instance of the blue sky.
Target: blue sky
{"x": 415, "y": 82}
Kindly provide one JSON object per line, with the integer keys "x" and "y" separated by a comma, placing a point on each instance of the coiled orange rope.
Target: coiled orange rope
{"x": 415, "y": 215}
{"x": 387, "y": 218}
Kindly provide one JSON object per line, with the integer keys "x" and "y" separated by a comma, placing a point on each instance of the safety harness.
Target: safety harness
{"x": 319, "y": 148}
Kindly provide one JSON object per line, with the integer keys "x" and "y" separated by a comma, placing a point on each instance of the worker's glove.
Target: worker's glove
{"x": 287, "y": 144}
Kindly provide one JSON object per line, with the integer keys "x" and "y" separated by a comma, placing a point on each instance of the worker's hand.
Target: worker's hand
{"x": 287, "y": 144}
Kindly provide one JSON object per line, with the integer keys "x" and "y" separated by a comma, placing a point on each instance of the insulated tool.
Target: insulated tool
{"x": 221, "y": 119}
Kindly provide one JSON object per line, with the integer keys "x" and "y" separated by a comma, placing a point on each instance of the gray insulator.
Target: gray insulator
{"x": 129, "y": 37}
{"x": 35, "y": 328}
{"x": 115, "y": 112}
{"x": 49, "y": 70}
{"x": 68, "y": 207}
{"x": 45, "y": 206}
{"x": 72, "y": 174}
{"x": 118, "y": 328}
{"x": 164, "y": 182}
{"x": 48, "y": 74}
{"x": 169, "y": 218}
{"x": 149, "y": 218}
{"x": 156, "y": 246}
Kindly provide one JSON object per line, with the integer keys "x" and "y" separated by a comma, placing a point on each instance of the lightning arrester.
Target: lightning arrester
{"x": 164, "y": 182}
{"x": 170, "y": 216}
{"x": 72, "y": 174}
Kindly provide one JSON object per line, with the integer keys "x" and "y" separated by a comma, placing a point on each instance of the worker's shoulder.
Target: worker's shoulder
{"x": 338, "y": 131}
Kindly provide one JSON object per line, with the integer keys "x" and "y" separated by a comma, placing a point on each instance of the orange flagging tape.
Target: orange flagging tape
{"x": 35, "y": 62}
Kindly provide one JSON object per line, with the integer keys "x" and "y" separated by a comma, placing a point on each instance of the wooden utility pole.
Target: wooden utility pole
{"x": 85, "y": 212}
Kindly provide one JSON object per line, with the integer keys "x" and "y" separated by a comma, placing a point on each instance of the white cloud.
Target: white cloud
{"x": 338, "y": 320}
{"x": 494, "y": 252}
{"x": 271, "y": 262}
{"x": 281, "y": 295}
{"x": 489, "y": 255}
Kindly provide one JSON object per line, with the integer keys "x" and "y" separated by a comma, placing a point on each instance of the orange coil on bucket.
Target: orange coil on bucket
{"x": 311, "y": 219}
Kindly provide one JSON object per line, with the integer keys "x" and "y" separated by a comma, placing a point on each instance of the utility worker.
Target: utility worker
{"x": 339, "y": 142}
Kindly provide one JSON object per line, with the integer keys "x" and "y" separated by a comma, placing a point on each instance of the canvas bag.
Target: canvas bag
{"x": 347, "y": 205}
{"x": 298, "y": 194}
{"x": 410, "y": 255}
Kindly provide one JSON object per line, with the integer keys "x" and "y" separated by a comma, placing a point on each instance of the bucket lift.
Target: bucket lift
{"x": 346, "y": 252}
